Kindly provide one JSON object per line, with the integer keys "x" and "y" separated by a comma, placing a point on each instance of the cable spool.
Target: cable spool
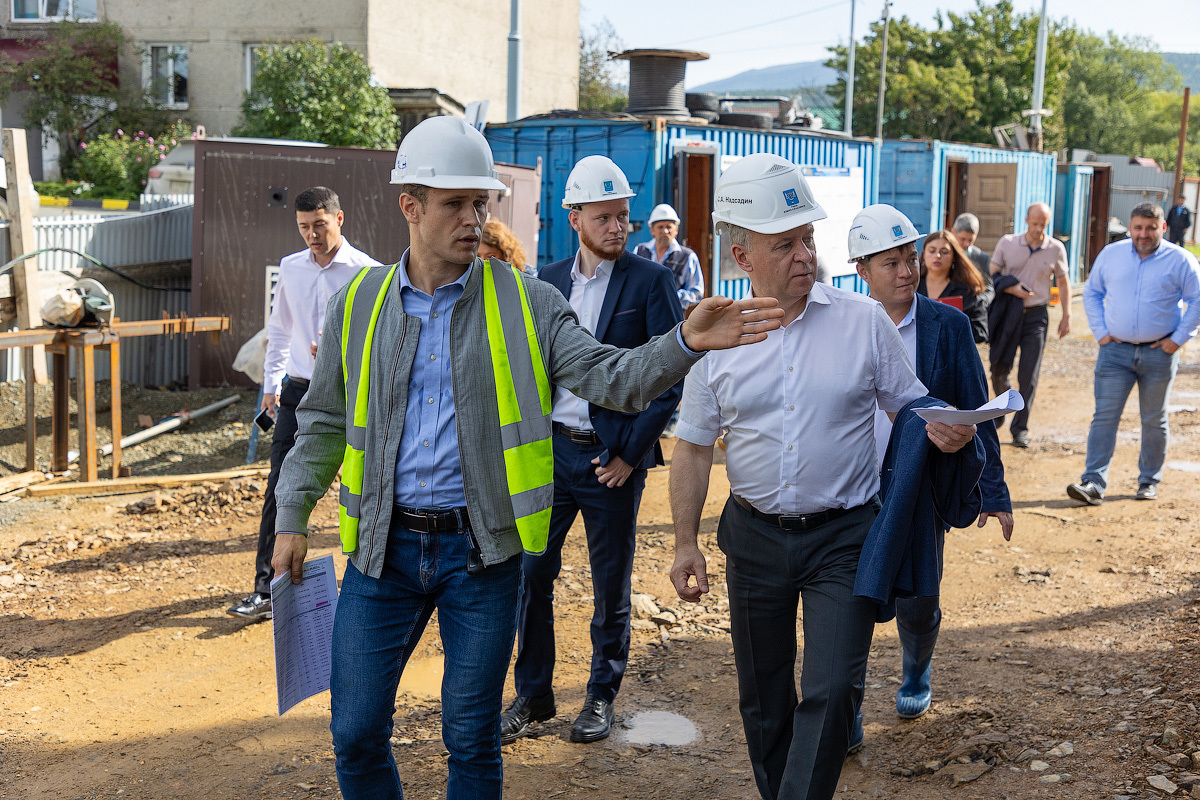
{"x": 656, "y": 81}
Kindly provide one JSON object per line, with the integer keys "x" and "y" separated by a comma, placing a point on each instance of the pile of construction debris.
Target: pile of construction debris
{"x": 208, "y": 500}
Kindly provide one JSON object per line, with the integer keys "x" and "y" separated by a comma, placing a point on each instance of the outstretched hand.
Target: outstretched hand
{"x": 719, "y": 323}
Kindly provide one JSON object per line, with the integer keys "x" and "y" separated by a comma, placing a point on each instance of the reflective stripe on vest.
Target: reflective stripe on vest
{"x": 523, "y": 399}
{"x": 522, "y": 393}
{"x": 363, "y": 302}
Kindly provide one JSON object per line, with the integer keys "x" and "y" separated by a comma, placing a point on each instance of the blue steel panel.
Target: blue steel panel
{"x": 1035, "y": 176}
{"x": 851, "y": 283}
{"x": 644, "y": 155}
{"x": 906, "y": 178}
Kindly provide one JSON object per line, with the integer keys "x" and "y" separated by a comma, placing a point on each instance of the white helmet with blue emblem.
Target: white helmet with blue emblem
{"x": 766, "y": 194}
{"x": 594, "y": 180}
{"x": 879, "y": 228}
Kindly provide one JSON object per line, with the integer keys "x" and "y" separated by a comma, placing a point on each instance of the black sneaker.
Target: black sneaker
{"x": 253, "y": 607}
{"x": 524, "y": 711}
{"x": 594, "y": 722}
{"x": 1086, "y": 492}
{"x": 1021, "y": 440}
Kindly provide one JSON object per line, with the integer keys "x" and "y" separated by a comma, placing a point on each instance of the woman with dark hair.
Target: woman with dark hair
{"x": 947, "y": 272}
{"x": 498, "y": 241}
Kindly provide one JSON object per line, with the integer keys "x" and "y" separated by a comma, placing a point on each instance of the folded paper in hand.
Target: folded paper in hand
{"x": 1006, "y": 403}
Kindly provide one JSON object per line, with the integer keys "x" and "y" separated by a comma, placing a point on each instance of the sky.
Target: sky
{"x": 764, "y": 33}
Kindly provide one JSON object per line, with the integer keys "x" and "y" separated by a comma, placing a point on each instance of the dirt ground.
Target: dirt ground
{"x": 1067, "y": 667}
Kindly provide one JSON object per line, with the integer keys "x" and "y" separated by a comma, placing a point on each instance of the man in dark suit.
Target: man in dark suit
{"x": 938, "y": 339}
{"x": 600, "y": 456}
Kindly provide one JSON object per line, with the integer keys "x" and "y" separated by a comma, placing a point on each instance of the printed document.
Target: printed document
{"x": 1006, "y": 403}
{"x": 302, "y": 620}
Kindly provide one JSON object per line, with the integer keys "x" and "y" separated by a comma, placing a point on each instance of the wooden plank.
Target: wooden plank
{"x": 85, "y": 410}
{"x": 30, "y": 412}
{"x": 151, "y": 482}
{"x": 20, "y": 480}
{"x": 60, "y": 416}
{"x": 21, "y": 240}
{"x": 40, "y": 336}
{"x": 114, "y": 371}
{"x": 184, "y": 325}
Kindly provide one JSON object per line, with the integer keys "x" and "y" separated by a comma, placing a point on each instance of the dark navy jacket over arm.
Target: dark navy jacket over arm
{"x": 640, "y": 303}
{"x": 949, "y": 366}
{"x": 923, "y": 490}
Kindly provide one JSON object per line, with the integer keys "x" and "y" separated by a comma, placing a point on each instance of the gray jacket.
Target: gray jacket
{"x": 623, "y": 380}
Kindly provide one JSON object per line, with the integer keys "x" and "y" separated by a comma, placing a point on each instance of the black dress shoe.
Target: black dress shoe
{"x": 516, "y": 719}
{"x": 594, "y": 722}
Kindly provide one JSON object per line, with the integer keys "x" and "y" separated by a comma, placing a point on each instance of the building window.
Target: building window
{"x": 165, "y": 74}
{"x": 54, "y": 10}
{"x": 253, "y": 54}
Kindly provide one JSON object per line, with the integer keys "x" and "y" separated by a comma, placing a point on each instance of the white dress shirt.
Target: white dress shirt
{"x": 298, "y": 313}
{"x": 800, "y": 407}
{"x": 587, "y": 298}
{"x": 908, "y": 335}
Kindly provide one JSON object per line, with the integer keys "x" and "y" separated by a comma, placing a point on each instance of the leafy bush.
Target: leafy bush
{"x": 311, "y": 91}
{"x": 117, "y": 164}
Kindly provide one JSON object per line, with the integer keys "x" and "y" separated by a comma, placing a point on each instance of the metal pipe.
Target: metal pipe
{"x": 887, "y": 6}
{"x": 166, "y": 425}
{"x": 848, "y": 117}
{"x": 1039, "y": 81}
{"x": 1176, "y": 186}
{"x": 514, "y": 61}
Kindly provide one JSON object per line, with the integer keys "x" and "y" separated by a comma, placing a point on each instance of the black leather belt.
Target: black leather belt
{"x": 303, "y": 384}
{"x": 577, "y": 435}
{"x": 793, "y": 522}
{"x": 432, "y": 520}
{"x": 1035, "y": 308}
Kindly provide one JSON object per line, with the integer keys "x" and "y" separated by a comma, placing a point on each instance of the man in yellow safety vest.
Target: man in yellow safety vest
{"x": 432, "y": 388}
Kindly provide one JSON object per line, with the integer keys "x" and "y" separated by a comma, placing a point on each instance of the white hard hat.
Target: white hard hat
{"x": 878, "y": 228}
{"x": 446, "y": 153}
{"x": 663, "y": 213}
{"x": 766, "y": 194}
{"x": 596, "y": 179}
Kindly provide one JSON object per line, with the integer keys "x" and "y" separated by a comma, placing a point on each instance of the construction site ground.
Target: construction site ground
{"x": 1068, "y": 667}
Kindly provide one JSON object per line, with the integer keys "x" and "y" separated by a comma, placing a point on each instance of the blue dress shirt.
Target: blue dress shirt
{"x": 428, "y": 471}
{"x": 1137, "y": 299}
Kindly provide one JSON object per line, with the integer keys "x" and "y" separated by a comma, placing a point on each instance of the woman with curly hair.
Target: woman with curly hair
{"x": 498, "y": 241}
{"x": 947, "y": 272}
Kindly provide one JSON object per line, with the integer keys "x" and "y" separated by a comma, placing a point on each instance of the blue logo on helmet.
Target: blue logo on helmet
{"x": 608, "y": 186}
{"x": 897, "y": 231}
{"x": 790, "y": 197}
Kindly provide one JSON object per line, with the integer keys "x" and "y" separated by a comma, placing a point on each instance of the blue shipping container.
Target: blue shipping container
{"x": 644, "y": 150}
{"x": 913, "y": 177}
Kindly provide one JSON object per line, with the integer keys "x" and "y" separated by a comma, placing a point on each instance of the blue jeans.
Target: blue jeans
{"x": 1118, "y": 367}
{"x": 377, "y": 627}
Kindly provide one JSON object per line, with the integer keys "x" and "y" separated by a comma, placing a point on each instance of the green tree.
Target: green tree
{"x": 71, "y": 80}
{"x": 599, "y": 80}
{"x": 317, "y": 92}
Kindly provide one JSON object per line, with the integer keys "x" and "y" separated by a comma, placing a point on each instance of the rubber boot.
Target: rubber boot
{"x": 915, "y": 693}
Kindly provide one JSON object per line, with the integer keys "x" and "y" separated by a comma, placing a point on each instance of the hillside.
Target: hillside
{"x": 1188, "y": 65}
{"x": 782, "y": 78}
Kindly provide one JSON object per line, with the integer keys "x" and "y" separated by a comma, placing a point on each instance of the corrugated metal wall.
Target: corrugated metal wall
{"x": 1071, "y": 211}
{"x": 1133, "y": 184}
{"x": 913, "y": 174}
{"x": 157, "y": 236}
{"x": 642, "y": 149}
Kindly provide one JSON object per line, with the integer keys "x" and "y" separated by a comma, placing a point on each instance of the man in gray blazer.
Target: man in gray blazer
{"x": 434, "y": 475}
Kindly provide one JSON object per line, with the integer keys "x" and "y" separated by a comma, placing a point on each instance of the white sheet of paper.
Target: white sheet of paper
{"x": 1006, "y": 403}
{"x": 302, "y": 622}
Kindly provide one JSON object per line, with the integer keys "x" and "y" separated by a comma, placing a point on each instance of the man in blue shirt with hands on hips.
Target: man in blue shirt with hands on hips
{"x": 431, "y": 392}
{"x": 1132, "y": 299}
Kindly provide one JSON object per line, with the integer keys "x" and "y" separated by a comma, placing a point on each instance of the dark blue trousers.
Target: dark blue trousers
{"x": 610, "y": 519}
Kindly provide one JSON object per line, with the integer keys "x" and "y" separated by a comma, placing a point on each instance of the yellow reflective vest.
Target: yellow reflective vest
{"x": 523, "y": 398}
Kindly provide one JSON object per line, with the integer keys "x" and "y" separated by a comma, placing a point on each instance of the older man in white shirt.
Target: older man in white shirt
{"x": 307, "y": 279}
{"x": 800, "y": 455}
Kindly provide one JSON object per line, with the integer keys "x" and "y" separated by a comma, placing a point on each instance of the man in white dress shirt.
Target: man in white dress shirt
{"x": 800, "y": 455}
{"x": 600, "y": 456}
{"x": 307, "y": 280}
